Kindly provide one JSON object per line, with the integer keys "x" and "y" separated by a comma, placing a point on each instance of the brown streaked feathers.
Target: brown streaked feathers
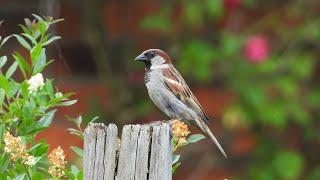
{"x": 176, "y": 84}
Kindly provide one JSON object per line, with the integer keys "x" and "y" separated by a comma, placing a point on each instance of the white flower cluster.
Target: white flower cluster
{"x": 35, "y": 82}
{"x": 30, "y": 161}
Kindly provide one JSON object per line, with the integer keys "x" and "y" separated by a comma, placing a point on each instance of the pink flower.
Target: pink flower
{"x": 257, "y": 49}
{"x": 231, "y": 4}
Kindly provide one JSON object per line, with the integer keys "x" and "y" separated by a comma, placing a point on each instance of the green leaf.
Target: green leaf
{"x": 195, "y": 138}
{"x": 43, "y": 26}
{"x": 2, "y": 96}
{"x": 22, "y": 41}
{"x": 5, "y": 40}
{"x": 37, "y": 176}
{"x": 2, "y": 130}
{"x": 20, "y": 177}
{"x": 77, "y": 150}
{"x": 39, "y": 149}
{"x": 78, "y": 121}
{"x": 175, "y": 159}
{"x": 80, "y": 175}
{"x": 4, "y": 162}
{"x": 31, "y": 38}
{"x": 24, "y": 66}
{"x": 14, "y": 87}
{"x": 35, "y": 53}
{"x": 24, "y": 89}
{"x": 94, "y": 119}
{"x": 289, "y": 165}
{"x": 175, "y": 167}
{"x": 74, "y": 170}
{"x": 67, "y": 103}
{"x": 40, "y": 62}
{"x": 56, "y": 21}
{"x": 11, "y": 70}
{"x": 25, "y": 29}
{"x": 3, "y": 60}
{"x": 49, "y": 88}
{"x": 51, "y": 40}
{"x": 75, "y": 132}
{"x": 46, "y": 120}
{"x": 4, "y": 83}
{"x": 41, "y": 68}
{"x": 38, "y": 17}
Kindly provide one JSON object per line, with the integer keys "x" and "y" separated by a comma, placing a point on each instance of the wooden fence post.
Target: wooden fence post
{"x": 145, "y": 152}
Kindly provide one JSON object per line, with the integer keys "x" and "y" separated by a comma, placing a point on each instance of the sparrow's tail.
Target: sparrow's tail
{"x": 205, "y": 129}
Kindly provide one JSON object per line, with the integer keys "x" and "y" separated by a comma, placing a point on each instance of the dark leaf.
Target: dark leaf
{"x": 3, "y": 60}
{"x": 46, "y": 120}
{"x": 74, "y": 170}
{"x": 22, "y": 41}
{"x": 40, "y": 62}
{"x": 175, "y": 159}
{"x": 77, "y": 150}
{"x": 24, "y": 66}
{"x": 195, "y": 138}
{"x": 5, "y": 40}
{"x": 51, "y": 40}
{"x": 35, "y": 53}
{"x": 11, "y": 70}
{"x": 175, "y": 167}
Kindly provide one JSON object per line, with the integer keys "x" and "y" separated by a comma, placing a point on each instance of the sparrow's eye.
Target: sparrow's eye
{"x": 150, "y": 55}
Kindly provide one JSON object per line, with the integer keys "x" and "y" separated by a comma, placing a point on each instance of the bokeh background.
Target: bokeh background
{"x": 253, "y": 64}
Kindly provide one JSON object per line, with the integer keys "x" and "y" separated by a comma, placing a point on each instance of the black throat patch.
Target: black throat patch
{"x": 147, "y": 75}
{"x": 148, "y": 64}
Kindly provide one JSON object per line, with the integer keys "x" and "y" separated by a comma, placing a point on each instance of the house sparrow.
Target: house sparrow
{"x": 170, "y": 93}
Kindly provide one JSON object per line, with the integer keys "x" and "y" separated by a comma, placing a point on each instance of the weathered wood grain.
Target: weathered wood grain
{"x": 160, "y": 159}
{"x": 144, "y": 153}
{"x": 89, "y": 151}
{"x": 110, "y": 153}
{"x": 128, "y": 152}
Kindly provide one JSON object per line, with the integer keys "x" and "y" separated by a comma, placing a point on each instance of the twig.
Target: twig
{"x": 27, "y": 172}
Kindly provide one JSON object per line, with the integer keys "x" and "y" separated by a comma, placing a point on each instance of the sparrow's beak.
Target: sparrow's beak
{"x": 141, "y": 57}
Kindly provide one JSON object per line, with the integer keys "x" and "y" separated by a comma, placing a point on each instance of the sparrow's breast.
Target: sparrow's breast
{"x": 164, "y": 99}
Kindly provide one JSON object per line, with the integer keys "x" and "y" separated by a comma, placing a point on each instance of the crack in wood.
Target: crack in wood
{"x": 145, "y": 152}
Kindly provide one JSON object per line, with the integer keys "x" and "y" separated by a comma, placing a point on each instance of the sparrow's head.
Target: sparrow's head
{"x": 153, "y": 57}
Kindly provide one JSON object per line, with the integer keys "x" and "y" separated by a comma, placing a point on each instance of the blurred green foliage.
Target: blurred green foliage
{"x": 28, "y": 106}
{"x": 276, "y": 98}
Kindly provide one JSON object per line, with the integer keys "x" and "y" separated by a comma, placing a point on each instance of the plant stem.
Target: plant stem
{"x": 27, "y": 171}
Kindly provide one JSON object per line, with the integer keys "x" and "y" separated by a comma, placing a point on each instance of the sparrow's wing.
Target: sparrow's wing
{"x": 176, "y": 84}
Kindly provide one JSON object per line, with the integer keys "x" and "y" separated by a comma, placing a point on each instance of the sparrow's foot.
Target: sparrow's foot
{"x": 172, "y": 121}
{"x": 153, "y": 123}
